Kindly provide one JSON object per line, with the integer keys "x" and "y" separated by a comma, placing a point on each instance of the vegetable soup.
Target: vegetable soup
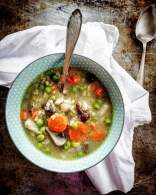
{"x": 67, "y": 125}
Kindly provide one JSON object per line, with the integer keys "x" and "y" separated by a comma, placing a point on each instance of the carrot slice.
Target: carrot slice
{"x": 73, "y": 79}
{"x": 76, "y": 135}
{"x": 58, "y": 123}
{"x": 79, "y": 135}
{"x": 97, "y": 89}
{"x": 83, "y": 127}
{"x": 98, "y": 135}
{"x": 34, "y": 114}
{"x": 100, "y": 92}
{"x": 23, "y": 115}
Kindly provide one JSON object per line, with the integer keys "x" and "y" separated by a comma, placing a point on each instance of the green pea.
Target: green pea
{"x": 53, "y": 97}
{"x": 40, "y": 137}
{"x": 94, "y": 116}
{"x": 74, "y": 89}
{"x": 67, "y": 145}
{"x": 74, "y": 125}
{"x": 82, "y": 87}
{"x": 107, "y": 121}
{"x": 56, "y": 78}
{"x": 81, "y": 153}
{"x": 100, "y": 102}
{"x": 46, "y": 150}
{"x": 70, "y": 114}
{"x": 42, "y": 129}
{"x": 39, "y": 145}
{"x": 96, "y": 106}
{"x": 48, "y": 89}
{"x": 75, "y": 144}
{"x": 40, "y": 122}
{"x": 47, "y": 83}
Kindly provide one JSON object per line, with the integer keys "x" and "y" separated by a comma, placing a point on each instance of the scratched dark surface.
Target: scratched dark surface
{"x": 17, "y": 175}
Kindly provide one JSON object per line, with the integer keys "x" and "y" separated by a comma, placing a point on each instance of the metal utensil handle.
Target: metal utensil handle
{"x": 140, "y": 76}
{"x": 73, "y": 31}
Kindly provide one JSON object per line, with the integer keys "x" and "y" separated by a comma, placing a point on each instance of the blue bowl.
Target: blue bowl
{"x": 19, "y": 136}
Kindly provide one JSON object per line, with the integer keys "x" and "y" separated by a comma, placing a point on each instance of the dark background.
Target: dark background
{"x": 20, "y": 177}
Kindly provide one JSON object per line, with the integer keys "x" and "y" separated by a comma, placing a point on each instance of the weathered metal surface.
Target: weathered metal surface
{"x": 20, "y": 177}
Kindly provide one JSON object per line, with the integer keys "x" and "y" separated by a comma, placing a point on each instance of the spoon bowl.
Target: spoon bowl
{"x": 145, "y": 27}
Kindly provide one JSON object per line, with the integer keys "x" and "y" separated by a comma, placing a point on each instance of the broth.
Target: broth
{"x": 66, "y": 125}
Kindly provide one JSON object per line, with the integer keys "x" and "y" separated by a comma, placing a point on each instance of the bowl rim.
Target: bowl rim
{"x": 20, "y": 150}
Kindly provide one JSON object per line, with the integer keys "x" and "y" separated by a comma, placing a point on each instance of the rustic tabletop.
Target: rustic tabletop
{"x": 17, "y": 175}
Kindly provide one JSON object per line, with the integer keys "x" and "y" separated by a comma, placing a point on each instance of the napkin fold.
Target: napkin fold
{"x": 96, "y": 41}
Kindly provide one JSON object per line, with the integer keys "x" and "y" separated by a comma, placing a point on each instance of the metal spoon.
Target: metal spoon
{"x": 145, "y": 32}
{"x": 73, "y": 31}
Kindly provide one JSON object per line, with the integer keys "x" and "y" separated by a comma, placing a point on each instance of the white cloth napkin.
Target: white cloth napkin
{"x": 97, "y": 41}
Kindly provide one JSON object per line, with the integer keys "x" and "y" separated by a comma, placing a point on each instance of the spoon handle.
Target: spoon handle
{"x": 140, "y": 76}
{"x": 73, "y": 31}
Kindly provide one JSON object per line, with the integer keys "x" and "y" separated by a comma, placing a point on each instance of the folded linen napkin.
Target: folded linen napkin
{"x": 97, "y": 41}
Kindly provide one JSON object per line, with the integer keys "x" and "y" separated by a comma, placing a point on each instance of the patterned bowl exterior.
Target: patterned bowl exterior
{"x": 18, "y": 134}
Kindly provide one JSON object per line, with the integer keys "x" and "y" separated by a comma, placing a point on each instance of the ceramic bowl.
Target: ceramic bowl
{"x": 19, "y": 136}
